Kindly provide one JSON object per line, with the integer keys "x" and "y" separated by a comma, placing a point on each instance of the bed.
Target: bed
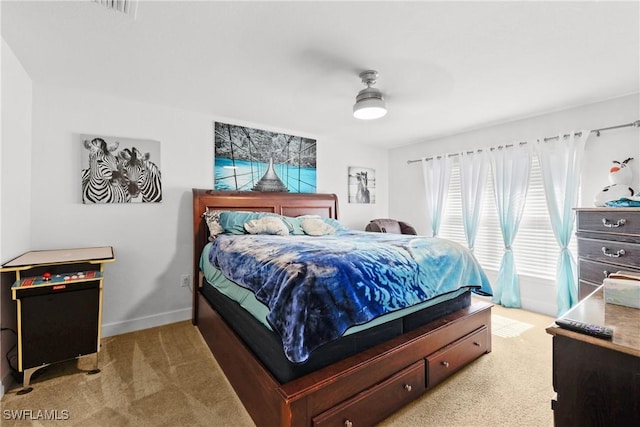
{"x": 359, "y": 378}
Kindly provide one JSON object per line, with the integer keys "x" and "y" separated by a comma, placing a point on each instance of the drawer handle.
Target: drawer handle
{"x": 608, "y": 224}
{"x": 476, "y": 343}
{"x": 348, "y": 423}
{"x": 618, "y": 254}
{"x": 606, "y": 274}
{"x": 408, "y": 387}
{"x": 445, "y": 363}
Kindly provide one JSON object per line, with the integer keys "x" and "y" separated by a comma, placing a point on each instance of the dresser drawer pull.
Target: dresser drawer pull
{"x": 348, "y": 423}
{"x": 445, "y": 363}
{"x": 608, "y": 224}
{"x": 618, "y": 254}
{"x": 477, "y": 344}
{"x": 408, "y": 387}
{"x": 606, "y": 274}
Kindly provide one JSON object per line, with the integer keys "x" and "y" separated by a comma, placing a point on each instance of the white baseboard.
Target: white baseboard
{"x": 131, "y": 325}
{"x": 541, "y": 307}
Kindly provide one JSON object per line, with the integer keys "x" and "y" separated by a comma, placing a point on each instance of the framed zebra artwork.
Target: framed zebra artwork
{"x": 120, "y": 170}
{"x": 248, "y": 159}
{"x": 362, "y": 185}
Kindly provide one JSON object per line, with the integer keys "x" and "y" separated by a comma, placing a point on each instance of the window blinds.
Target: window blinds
{"x": 535, "y": 248}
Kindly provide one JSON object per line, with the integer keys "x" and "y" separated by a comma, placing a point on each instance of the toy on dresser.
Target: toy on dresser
{"x": 620, "y": 178}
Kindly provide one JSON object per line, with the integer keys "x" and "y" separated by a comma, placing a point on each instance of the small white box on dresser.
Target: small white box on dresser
{"x": 623, "y": 288}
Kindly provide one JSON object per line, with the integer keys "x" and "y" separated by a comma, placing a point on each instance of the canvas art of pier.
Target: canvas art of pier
{"x": 248, "y": 159}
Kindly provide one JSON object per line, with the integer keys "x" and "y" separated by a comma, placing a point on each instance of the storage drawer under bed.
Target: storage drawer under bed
{"x": 387, "y": 396}
{"x": 451, "y": 358}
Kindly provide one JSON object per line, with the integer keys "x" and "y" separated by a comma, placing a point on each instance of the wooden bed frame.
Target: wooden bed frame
{"x": 362, "y": 389}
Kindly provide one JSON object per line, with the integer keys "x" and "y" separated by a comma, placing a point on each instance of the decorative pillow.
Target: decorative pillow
{"x": 293, "y": 224}
{"x": 212, "y": 219}
{"x": 316, "y": 227}
{"x": 233, "y": 221}
{"x": 267, "y": 225}
{"x": 332, "y": 222}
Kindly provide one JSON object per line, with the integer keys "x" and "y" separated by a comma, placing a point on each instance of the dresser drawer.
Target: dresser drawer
{"x": 448, "y": 360}
{"x": 609, "y": 251}
{"x": 612, "y": 221}
{"x": 378, "y": 402}
{"x": 595, "y": 272}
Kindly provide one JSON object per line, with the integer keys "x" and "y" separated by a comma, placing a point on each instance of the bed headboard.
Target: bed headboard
{"x": 288, "y": 204}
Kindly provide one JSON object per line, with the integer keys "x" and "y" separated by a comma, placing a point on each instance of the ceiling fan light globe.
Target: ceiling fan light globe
{"x": 369, "y": 109}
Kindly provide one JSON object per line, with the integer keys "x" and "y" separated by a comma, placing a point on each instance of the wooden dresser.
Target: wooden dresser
{"x": 608, "y": 241}
{"x": 597, "y": 381}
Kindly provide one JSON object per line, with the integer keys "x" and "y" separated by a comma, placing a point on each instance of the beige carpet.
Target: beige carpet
{"x": 166, "y": 376}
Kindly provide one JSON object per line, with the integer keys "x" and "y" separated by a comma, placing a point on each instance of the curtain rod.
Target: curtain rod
{"x": 551, "y": 138}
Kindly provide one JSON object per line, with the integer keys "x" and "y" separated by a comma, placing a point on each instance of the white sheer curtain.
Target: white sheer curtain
{"x": 510, "y": 171}
{"x": 435, "y": 173}
{"x": 473, "y": 178}
{"x": 560, "y": 163}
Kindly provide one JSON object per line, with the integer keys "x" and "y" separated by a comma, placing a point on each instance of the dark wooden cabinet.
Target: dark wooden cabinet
{"x": 597, "y": 381}
{"x": 608, "y": 241}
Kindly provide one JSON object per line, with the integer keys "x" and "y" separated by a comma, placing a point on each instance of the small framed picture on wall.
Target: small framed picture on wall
{"x": 362, "y": 185}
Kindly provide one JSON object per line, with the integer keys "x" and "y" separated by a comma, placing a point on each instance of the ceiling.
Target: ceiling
{"x": 445, "y": 67}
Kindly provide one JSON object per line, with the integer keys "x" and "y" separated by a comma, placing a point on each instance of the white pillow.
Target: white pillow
{"x": 267, "y": 225}
{"x": 316, "y": 227}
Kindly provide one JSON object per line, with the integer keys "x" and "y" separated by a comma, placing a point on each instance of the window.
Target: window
{"x": 535, "y": 248}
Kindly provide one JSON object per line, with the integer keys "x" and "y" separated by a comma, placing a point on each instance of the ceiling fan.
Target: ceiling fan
{"x": 406, "y": 99}
{"x": 370, "y": 103}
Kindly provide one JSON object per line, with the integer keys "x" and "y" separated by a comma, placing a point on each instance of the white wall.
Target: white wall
{"x": 406, "y": 188}
{"x": 152, "y": 242}
{"x": 15, "y": 186}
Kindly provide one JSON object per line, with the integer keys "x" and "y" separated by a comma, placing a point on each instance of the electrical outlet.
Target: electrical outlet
{"x": 185, "y": 280}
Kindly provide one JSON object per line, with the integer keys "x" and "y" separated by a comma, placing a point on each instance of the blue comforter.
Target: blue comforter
{"x": 318, "y": 287}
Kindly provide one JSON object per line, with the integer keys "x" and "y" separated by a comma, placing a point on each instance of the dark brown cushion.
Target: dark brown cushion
{"x": 387, "y": 225}
{"x": 407, "y": 229}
